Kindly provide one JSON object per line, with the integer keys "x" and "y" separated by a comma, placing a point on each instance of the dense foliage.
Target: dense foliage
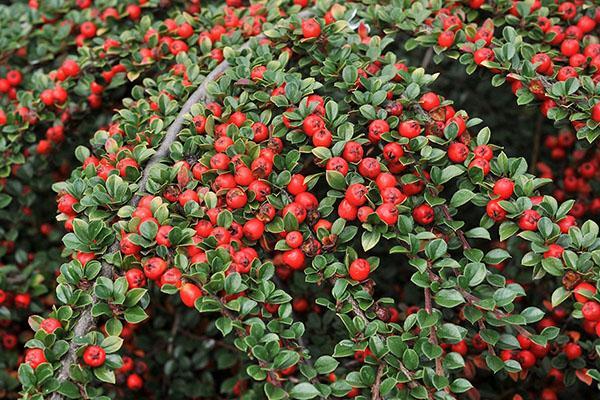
{"x": 281, "y": 200}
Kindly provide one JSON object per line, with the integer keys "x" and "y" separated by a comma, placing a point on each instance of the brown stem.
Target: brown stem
{"x": 375, "y": 395}
{"x": 439, "y": 370}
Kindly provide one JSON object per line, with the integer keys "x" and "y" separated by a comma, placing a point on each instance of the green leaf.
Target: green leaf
{"x": 449, "y": 298}
{"x": 335, "y": 180}
{"x": 460, "y": 385}
{"x": 461, "y": 197}
{"x": 410, "y": 359}
{"x": 436, "y": 249}
{"x": 370, "y": 239}
{"x": 507, "y": 229}
{"x": 304, "y": 390}
{"x": 326, "y": 364}
{"x": 559, "y": 295}
{"x": 105, "y": 374}
{"x": 135, "y": 315}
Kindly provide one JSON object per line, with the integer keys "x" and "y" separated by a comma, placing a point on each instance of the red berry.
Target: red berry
{"x": 461, "y": 348}
{"x": 294, "y": 239}
{"x": 566, "y": 223}
{"x": 446, "y": 39}
{"x": 359, "y": 269}
{"x": 544, "y": 63}
{"x": 423, "y": 214}
{"x": 429, "y": 101}
{"x": 35, "y": 357}
{"x": 495, "y": 211}
{"x": 596, "y": 112}
{"x": 135, "y": 382}
{"x": 387, "y": 212}
{"x": 347, "y": 211}
{"x": 94, "y": 356}
{"x": 409, "y": 129}
{"x": 88, "y": 29}
{"x": 554, "y": 250}
{"x": 294, "y": 259}
{"x": 528, "y": 220}
{"x": 185, "y": 30}
{"x": 503, "y": 188}
{"x": 189, "y": 293}
{"x": 524, "y": 341}
{"x": 369, "y": 167}
{"x": 356, "y": 194}
{"x": 188, "y": 195}
{"x": 458, "y": 152}
{"x": 337, "y": 164}
{"x": 311, "y": 28}
{"x": 154, "y": 268}
{"x": 591, "y": 311}
{"x": 135, "y": 278}
{"x": 526, "y": 358}
{"x": 482, "y": 55}
{"x": 353, "y": 152}
{"x": 377, "y": 128}
{"x": 49, "y": 325}
{"x": 253, "y": 229}
{"x": 572, "y": 351}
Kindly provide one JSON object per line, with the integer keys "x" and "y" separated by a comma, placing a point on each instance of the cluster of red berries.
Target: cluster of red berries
{"x": 569, "y": 29}
{"x": 575, "y": 179}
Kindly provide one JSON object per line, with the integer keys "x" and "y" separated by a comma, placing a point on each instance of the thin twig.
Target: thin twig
{"x": 375, "y": 395}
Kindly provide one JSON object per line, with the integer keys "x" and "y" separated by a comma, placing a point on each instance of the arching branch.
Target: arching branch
{"x": 86, "y": 322}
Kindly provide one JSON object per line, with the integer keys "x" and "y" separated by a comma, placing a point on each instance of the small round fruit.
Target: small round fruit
{"x": 49, "y": 325}
{"x": 359, "y": 269}
{"x": 189, "y": 293}
{"x": 423, "y": 214}
{"x": 503, "y": 188}
{"x": 94, "y": 356}
{"x": 591, "y": 311}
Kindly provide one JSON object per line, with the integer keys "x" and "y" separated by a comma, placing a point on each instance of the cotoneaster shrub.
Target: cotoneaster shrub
{"x": 385, "y": 274}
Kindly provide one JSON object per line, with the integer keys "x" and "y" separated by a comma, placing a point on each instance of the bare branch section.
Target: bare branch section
{"x": 86, "y": 322}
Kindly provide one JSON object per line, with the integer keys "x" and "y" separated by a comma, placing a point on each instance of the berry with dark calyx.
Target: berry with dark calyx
{"x": 356, "y": 194}
{"x": 409, "y": 129}
{"x": 377, "y": 128}
{"x": 423, "y": 214}
{"x": 495, "y": 211}
{"x": 387, "y": 212}
{"x": 528, "y": 220}
{"x": 154, "y": 268}
{"x": 94, "y": 356}
{"x": 458, "y": 152}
